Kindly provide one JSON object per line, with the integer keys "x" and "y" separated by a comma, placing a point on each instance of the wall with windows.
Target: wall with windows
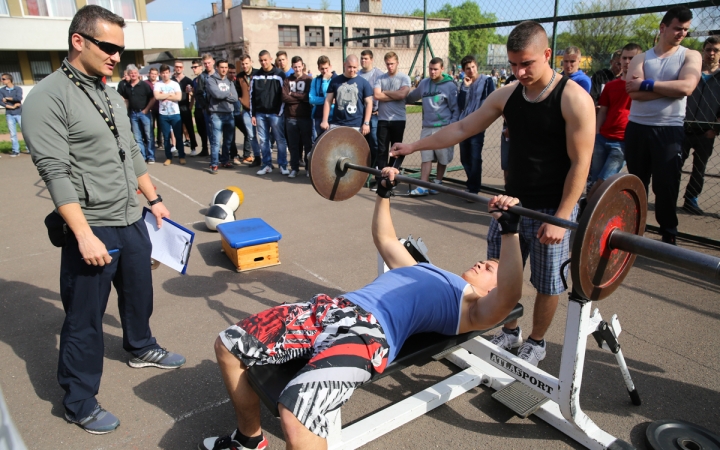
{"x": 310, "y": 34}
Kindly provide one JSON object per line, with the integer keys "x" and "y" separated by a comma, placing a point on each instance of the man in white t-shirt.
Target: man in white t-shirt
{"x": 390, "y": 91}
{"x": 168, "y": 93}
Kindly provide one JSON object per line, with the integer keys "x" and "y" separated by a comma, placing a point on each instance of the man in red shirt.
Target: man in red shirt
{"x": 612, "y": 118}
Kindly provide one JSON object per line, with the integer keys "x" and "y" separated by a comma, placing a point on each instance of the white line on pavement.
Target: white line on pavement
{"x": 177, "y": 190}
{"x": 319, "y": 277}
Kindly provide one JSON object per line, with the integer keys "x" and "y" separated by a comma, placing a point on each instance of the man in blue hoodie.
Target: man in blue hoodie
{"x": 571, "y": 68}
{"x": 318, "y": 89}
{"x": 440, "y": 108}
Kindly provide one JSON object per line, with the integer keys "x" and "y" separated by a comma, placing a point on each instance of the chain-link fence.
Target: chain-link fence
{"x": 452, "y": 29}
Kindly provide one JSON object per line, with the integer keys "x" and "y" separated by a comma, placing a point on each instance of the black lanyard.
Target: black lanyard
{"x": 109, "y": 120}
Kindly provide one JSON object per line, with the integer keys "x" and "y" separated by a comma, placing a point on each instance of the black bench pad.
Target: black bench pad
{"x": 268, "y": 381}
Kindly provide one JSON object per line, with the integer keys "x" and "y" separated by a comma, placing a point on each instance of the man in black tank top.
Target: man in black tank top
{"x": 551, "y": 122}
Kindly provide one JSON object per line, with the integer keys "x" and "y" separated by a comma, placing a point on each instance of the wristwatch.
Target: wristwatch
{"x": 156, "y": 201}
{"x": 366, "y": 123}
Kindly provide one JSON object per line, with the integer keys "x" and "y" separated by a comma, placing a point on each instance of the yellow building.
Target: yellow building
{"x": 35, "y": 35}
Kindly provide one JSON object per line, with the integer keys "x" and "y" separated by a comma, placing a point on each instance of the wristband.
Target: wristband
{"x": 156, "y": 201}
{"x": 385, "y": 190}
{"x": 509, "y": 222}
{"x": 647, "y": 85}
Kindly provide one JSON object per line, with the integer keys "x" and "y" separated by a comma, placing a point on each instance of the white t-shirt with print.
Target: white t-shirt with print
{"x": 168, "y": 107}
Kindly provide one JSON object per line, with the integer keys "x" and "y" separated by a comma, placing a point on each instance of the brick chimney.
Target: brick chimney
{"x": 214, "y": 8}
{"x": 227, "y": 4}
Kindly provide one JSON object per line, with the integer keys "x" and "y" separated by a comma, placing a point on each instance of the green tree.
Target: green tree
{"x": 644, "y": 30}
{"x": 600, "y": 37}
{"x": 467, "y": 42}
{"x": 188, "y": 51}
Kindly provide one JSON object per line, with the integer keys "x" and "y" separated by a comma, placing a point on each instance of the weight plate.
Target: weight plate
{"x": 680, "y": 435}
{"x": 329, "y": 181}
{"x": 620, "y": 203}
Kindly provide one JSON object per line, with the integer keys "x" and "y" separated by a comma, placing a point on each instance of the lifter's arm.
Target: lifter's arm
{"x": 383, "y": 231}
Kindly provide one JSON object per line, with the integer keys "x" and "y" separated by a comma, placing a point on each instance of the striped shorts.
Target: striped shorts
{"x": 345, "y": 347}
{"x": 545, "y": 260}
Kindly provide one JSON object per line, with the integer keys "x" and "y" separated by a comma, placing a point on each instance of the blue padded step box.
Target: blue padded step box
{"x": 250, "y": 243}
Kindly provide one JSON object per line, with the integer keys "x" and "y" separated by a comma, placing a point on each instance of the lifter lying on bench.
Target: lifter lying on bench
{"x": 349, "y": 340}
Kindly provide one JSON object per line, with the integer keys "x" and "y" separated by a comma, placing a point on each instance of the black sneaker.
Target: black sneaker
{"x": 98, "y": 422}
{"x": 669, "y": 239}
{"x": 228, "y": 443}
{"x": 158, "y": 357}
{"x": 256, "y": 162}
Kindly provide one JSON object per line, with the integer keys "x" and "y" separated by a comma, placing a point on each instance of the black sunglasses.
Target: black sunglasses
{"x": 106, "y": 47}
{"x": 194, "y": 67}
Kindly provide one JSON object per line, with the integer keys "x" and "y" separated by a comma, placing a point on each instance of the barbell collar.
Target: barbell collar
{"x": 519, "y": 210}
{"x": 680, "y": 257}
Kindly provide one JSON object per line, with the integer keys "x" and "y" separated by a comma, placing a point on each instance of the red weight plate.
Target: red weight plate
{"x": 620, "y": 203}
{"x": 326, "y": 178}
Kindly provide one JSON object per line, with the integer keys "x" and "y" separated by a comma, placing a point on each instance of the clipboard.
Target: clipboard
{"x": 171, "y": 244}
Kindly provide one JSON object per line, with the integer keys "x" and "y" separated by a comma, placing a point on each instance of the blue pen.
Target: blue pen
{"x": 110, "y": 252}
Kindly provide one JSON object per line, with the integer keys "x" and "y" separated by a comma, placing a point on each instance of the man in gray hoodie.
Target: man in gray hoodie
{"x": 81, "y": 142}
{"x": 440, "y": 108}
{"x": 222, "y": 96}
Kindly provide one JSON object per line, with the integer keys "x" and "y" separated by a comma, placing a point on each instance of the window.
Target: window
{"x": 289, "y": 36}
{"x": 402, "y": 41}
{"x": 3, "y": 7}
{"x": 382, "y": 42}
{"x": 123, "y": 8}
{"x": 50, "y": 8}
{"x": 39, "y": 65}
{"x": 315, "y": 36}
{"x": 417, "y": 40}
{"x": 336, "y": 36}
{"x": 361, "y": 32}
{"x": 9, "y": 63}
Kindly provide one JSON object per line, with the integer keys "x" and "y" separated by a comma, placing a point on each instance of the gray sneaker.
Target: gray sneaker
{"x": 532, "y": 353}
{"x": 158, "y": 357}
{"x": 507, "y": 341}
{"x": 98, "y": 422}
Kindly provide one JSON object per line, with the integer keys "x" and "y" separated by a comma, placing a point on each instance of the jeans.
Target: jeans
{"x": 372, "y": 138}
{"x": 317, "y": 131}
{"x": 223, "y": 130}
{"x": 251, "y": 133}
{"x": 12, "y": 120}
{"x": 299, "y": 137}
{"x": 142, "y": 130}
{"x": 389, "y": 132}
{"x": 657, "y": 152}
{"x": 703, "y": 147}
{"x": 174, "y": 122}
{"x": 608, "y": 158}
{"x": 471, "y": 159}
{"x": 201, "y": 128}
{"x": 265, "y": 122}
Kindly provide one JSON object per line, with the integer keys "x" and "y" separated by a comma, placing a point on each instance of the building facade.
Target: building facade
{"x": 253, "y": 26}
{"x": 35, "y": 35}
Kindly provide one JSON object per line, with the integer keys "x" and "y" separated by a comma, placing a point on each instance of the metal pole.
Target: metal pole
{"x": 424, "y": 38}
{"x": 554, "y": 37}
{"x": 342, "y": 32}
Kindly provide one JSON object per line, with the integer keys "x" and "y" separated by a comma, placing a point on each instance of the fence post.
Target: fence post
{"x": 425, "y": 38}
{"x": 554, "y": 34}
{"x": 344, "y": 42}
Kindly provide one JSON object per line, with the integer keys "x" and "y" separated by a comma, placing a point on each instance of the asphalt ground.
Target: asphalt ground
{"x": 669, "y": 319}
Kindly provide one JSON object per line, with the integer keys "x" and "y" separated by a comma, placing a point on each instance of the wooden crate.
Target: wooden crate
{"x": 252, "y": 257}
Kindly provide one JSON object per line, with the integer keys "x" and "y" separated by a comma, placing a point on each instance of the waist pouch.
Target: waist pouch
{"x": 57, "y": 229}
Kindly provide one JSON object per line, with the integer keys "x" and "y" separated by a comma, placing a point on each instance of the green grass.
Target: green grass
{"x": 3, "y": 125}
{"x": 413, "y": 109}
{"x": 6, "y": 146}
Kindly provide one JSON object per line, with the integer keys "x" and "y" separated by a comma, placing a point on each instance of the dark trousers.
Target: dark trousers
{"x": 372, "y": 138}
{"x": 247, "y": 149}
{"x": 84, "y": 292}
{"x": 657, "y": 152}
{"x": 299, "y": 138}
{"x": 388, "y": 133}
{"x": 703, "y": 147}
{"x": 156, "y": 129}
{"x": 471, "y": 159}
{"x": 187, "y": 120}
{"x": 202, "y": 129}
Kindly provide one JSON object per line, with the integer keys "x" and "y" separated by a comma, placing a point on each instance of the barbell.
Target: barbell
{"x": 607, "y": 238}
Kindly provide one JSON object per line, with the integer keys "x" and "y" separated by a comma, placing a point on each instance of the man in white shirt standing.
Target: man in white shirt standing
{"x": 168, "y": 93}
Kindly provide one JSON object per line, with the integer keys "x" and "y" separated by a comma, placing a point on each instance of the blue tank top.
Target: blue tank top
{"x": 411, "y": 300}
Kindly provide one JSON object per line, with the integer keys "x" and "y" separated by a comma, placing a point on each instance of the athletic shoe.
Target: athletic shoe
{"x": 227, "y": 165}
{"x": 173, "y": 150}
{"x": 419, "y": 192}
{"x": 302, "y": 163}
{"x": 265, "y": 170}
{"x": 237, "y": 161}
{"x": 228, "y": 443}
{"x": 186, "y": 143}
{"x": 194, "y": 152}
{"x": 507, "y": 341}
{"x": 432, "y": 191}
{"x": 307, "y": 174}
{"x": 98, "y": 422}
{"x": 158, "y": 357}
{"x": 214, "y": 170}
{"x": 293, "y": 174}
{"x": 257, "y": 162}
{"x": 182, "y": 161}
{"x": 203, "y": 152}
{"x": 532, "y": 353}
{"x": 167, "y": 162}
{"x": 691, "y": 207}
{"x": 284, "y": 170}
{"x": 669, "y": 239}
{"x": 12, "y": 155}
{"x": 151, "y": 161}
{"x": 248, "y": 159}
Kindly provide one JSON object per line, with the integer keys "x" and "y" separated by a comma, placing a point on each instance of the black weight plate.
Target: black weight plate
{"x": 680, "y": 435}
